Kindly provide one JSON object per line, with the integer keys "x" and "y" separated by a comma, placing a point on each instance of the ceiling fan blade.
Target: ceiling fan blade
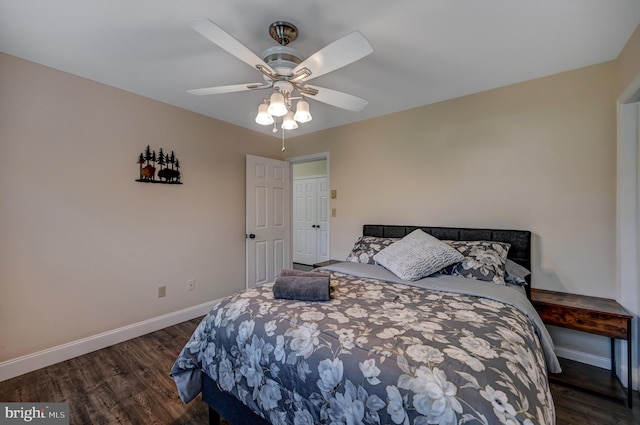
{"x": 224, "y": 40}
{"x": 341, "y": 52}
{"x": 229, "y": 89}
{"x": 338, "y": 98}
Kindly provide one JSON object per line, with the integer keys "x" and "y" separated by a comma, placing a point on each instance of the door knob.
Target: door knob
{"x": 251, "y": 236}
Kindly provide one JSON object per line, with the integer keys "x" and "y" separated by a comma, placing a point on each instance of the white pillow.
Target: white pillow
{"x": 417, "y": 255}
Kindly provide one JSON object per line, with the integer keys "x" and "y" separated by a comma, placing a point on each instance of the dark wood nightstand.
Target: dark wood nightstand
{"x": 326, "y": 263}
{"x": 600, "y": 316}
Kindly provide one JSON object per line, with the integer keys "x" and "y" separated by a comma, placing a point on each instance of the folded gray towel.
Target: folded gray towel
{"x": 302, "y": 288}
{"x": 292, "y": 272}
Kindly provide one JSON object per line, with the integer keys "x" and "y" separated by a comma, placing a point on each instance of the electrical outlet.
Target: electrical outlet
{"x": 191, "y": 284}
{"x": 162, "y": 291}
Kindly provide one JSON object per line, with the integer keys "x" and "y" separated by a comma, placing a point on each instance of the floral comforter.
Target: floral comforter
{"x": 377, "y": 353}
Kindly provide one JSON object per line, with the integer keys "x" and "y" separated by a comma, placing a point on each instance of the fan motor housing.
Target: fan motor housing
{"x": 282, "y": 59}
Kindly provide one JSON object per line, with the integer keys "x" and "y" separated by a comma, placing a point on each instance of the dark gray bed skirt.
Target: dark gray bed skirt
{"x": 223, "y": 404}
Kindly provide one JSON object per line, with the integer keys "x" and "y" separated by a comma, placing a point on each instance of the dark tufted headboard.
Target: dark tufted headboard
{"x": 520, "y": 240}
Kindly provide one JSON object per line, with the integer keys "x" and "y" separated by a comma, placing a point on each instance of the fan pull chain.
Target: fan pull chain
{"x": 283, "y": 147}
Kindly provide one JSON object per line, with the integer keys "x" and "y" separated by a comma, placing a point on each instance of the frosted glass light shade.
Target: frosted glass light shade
{"x": 277, "y": 108}
{"x": 288, "y": 123}
{"x": 263, "y": 117}
{"x": 302, "y": 112}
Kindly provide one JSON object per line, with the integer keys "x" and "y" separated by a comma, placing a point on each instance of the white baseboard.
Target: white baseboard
{"x": 582, "y": 357}
{"x": 25, "y": 364}
{"x": 21, "y": 365}
{"x": 598, "y": 361}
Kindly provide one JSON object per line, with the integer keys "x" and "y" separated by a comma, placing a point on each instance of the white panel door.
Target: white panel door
{"x": 267, "y": 219}
{"x": 311, "y": 220}
{"x": 304, "y": 225}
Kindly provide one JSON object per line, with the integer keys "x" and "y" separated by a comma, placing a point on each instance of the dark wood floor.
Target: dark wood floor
{"x": 129, "y": 383}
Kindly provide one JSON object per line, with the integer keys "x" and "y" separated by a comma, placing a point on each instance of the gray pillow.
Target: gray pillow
{"x": 515, "y": 269}
{"x": 515, "y": 273}
{"x": 417, "y": 255}
{"x": 483, "y": 260}
{"x": 368, "y": 246}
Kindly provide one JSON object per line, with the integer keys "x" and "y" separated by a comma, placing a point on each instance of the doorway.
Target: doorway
{"x": 628, "y": 218}
{"x": 267, "y": 220}
{"x": 310, "y": 209}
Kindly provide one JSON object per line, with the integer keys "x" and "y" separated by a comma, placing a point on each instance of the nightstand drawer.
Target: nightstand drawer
{"x": 582, "y": 320}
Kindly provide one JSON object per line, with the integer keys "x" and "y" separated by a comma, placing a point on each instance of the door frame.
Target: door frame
{"x": 309, "y": 158}
{"x": 628, "y": 218}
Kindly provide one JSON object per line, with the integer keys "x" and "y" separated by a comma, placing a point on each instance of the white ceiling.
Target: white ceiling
{"x": 425, "y": 51}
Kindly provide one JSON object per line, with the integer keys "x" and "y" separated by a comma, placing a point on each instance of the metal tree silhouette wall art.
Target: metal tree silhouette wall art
{"x": 169, "y": 167}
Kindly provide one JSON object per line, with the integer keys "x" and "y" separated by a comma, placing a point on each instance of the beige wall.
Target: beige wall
{"x": 539, "y": 155}
{"x": 83, "y": 246}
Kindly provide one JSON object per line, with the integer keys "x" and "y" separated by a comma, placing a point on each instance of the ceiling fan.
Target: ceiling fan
{"x": 284, "y": 70}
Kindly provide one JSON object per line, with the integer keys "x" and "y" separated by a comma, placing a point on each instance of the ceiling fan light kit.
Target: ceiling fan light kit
{"x": 284, "y": 70}
{"x": 279, "y": 105}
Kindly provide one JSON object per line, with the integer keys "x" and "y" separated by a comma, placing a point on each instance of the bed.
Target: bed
{"x": 444, "y": 349}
